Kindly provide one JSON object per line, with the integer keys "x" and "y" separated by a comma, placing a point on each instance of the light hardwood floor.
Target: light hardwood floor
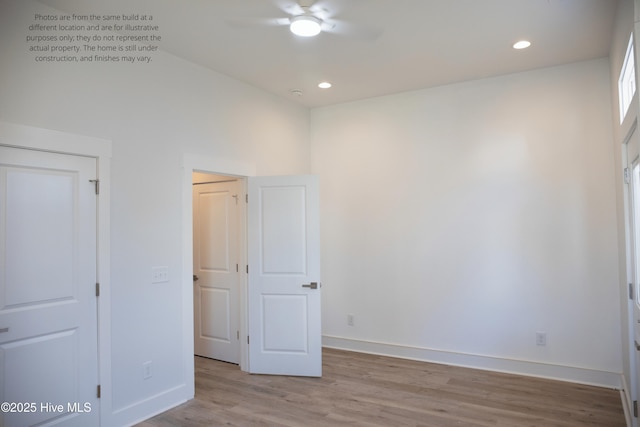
{"x": 366, "y": 390}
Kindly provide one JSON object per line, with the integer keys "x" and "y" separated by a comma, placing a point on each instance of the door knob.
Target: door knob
{"x": 195, "y": 278}
{"x": 312, "y": 285}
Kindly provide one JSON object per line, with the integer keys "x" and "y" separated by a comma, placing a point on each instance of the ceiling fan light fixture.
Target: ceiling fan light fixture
{"x": 305, "y": 26}
{"x": 522, "y": 44}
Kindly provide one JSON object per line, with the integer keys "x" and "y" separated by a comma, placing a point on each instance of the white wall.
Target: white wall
{"x": 459, "y": 221}
{"x": 153, "y": 114}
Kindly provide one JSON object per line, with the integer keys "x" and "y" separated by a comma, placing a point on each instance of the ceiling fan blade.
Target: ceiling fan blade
{"x": 355, "y": 31}
{"x": 327, "y": 27}
{"x": 245, "y": 22}
{"x": 321, "y": 13}
{"x": 291, "y": 7}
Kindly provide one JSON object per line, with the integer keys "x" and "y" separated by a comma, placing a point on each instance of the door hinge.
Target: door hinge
{"x": 627, "y": 178}
{"x": 247, "y": 268}
{"x": 237, "y": 268}
{"x": 631, "y": 291}
{"x": 97, "y": 289}
{"x": 247, "y": 339}
{"x": 237, "y": 335}
{"x": 97, "y": 183}
{"x": 246, "y": 198}
{"x": 98, "y": 391}
{"x": 635, "y": 408}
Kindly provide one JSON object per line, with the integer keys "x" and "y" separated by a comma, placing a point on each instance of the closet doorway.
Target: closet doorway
{"x": 218, "y": 266}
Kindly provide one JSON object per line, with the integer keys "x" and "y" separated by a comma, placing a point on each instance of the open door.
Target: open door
{"x": 284, "y": 276}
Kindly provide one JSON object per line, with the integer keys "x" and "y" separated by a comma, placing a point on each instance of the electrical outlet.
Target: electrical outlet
{"x": 159, "y": 274}
{"x": 146, "y": 370}
{"x": 541, "y": 338}
{"x": 350, "y": 320}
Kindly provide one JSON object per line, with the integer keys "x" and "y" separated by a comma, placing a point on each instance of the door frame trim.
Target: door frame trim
{"x": 219, "y": 166}
{"x": 40, "y": 139}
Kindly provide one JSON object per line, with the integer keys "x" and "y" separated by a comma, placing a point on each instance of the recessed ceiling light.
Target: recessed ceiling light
{"x": 522, "y": 44}
{"x": 296, "y": 92}
{"x": 305, "y": 26}
{"x": 324, "y": 85}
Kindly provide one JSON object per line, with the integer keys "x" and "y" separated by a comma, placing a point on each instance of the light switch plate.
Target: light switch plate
{"x": 159, "y": 274}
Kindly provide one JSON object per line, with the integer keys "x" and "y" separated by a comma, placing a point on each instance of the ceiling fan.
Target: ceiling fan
{"x": 308, "y": 18}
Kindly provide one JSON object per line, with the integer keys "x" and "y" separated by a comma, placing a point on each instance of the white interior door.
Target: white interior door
{"x": 633, "y": 179}
{"x": 284, "y": 276}
{"x": 216, "y": 267}
{"x": 48, "y": 306}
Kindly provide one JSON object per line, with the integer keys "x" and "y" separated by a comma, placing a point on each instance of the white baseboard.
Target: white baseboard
{"x": 150, "y": 407}
{"x": 489, "y": 363}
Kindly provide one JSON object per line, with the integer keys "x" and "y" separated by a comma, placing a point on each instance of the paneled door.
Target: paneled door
{"x": 632, "y": 178}
{"x": 216, "y": 270}
{"x": 284, "y": 276}
{"x": 48, "y": 303}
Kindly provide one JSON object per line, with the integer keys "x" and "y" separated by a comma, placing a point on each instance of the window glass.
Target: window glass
{"x": 627, "y": 80}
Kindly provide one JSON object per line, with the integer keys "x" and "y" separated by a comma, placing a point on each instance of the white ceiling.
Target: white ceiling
{"x": 376, "y": 47}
